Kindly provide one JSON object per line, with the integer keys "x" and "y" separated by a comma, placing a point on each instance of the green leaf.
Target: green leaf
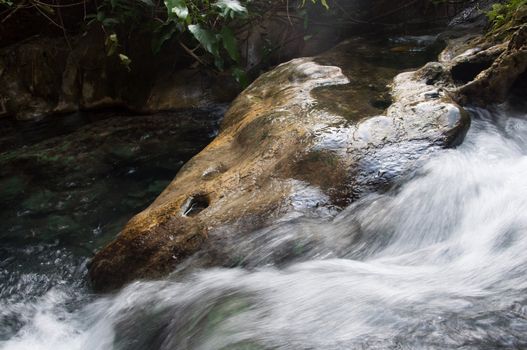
{"x": 177, "y": 9}
{"x": 125, "y": 60}
{"x": 163, "y": 34}
{"x": 241, "y": 76}
{"x": 206, "y": 38}
{"x": 306, "y": 19}
{"x": 147, "y": 2}
{"x": 218, "y": 62}
{"x": 100, "y": 16}
{"x": 107, "y": 22}
{"x": 230, "y": 8}
{"x": 111, "y": 43}
{"x": 230, "y": 43}
{"x": 323, "y": 2}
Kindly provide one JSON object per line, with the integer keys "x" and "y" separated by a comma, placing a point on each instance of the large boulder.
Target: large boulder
{"x": 305, "y": 139}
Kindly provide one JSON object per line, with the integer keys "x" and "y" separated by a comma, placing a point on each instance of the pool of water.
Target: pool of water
{"x": 370, "y": 64}
{"x": 436, "y": 263}
{"x": 69, "y": 184}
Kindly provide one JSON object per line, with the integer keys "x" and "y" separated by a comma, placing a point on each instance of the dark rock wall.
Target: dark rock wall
{"x": 56, "y": 71}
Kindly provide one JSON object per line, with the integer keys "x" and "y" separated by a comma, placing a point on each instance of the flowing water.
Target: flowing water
{"x": 437, "y": 262}
{"x": 67, "y": 186}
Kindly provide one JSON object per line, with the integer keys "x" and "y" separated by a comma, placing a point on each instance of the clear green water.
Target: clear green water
{"x": 370, "y": 64}
{"x": 69, "y": 184}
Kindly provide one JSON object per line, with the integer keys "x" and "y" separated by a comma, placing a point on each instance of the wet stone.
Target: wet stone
{"x": 304, "y": 140}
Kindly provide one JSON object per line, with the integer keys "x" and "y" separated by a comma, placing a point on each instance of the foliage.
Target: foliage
{"x": 208, "y": 30}
{"x": 502, "y": 13}
{"x": 323, "y": 2}
{"x": 205, "y": 29}
{"x": 210, "y": 24}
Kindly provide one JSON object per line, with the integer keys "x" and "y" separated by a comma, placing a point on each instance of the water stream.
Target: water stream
{"x": 437, "y": 262}
{"x": 67, "y": 186}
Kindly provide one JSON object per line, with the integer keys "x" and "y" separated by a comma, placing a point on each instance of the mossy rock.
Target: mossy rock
{"x": 507, "y": 19}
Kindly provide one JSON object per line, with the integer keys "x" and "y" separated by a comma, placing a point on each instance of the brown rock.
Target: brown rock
{"x": 42, "y": 76}
{"x": 281, "y": 151}
{"x": 494, "y": 79}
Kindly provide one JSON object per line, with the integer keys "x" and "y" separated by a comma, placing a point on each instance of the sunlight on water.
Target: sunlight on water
{"x": 436, "y": 263}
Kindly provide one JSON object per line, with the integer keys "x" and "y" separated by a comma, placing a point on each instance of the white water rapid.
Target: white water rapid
{"x": 439, "y": 262}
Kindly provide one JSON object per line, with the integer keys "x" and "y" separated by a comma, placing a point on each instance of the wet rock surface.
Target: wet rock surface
{"x": 482, "y": 69}
{"x": 285, "y": 150}
{"x": 502, "y": 67}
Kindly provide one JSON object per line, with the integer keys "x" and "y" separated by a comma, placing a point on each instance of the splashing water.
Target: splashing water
{"x": 437, "y": 263}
